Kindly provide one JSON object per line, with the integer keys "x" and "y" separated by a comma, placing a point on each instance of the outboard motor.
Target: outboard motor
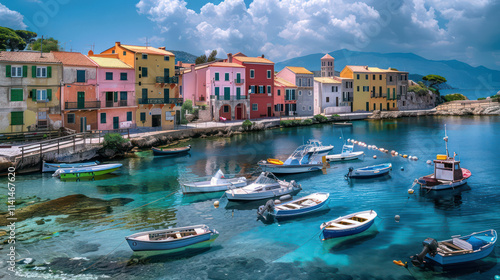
{"x": 348, "y": 175}
{"x": 430, "y": 247}
{"x": 294, "y": 184}
{"x": 269, "y": 207}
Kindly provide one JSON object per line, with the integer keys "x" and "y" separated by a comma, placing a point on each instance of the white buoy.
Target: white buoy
{"x": 402, "y": 168}
{"x": 411, "y": 191}
{"x": 374, "y": 157}
{"x": 397, "y": 218}
{"x": 429, "y": 161}
{"x": 396, "y": 153}
{"x": 415, "y": 158}
{"x": 216, "y": 204}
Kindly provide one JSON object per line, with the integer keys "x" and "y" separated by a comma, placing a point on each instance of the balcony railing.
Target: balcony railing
{"x": 83, "y": 105}
{"x": 239, "y": 81}
{"x": 377, "y": 95}
{"x": 176, "y": 101}
{"x": 120, "y": 103}
{"x": 231, "y": 97}
{"x": 167, "y": 80}
{"x": 347, "y": 99}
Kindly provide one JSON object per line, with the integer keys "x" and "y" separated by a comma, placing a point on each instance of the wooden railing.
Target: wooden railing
{"x": 10, "y": 137}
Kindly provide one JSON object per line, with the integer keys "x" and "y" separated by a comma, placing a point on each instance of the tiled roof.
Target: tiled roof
{"x": 376, "y": 70}
{"x": 28, "y": 56}
{"x": 148, "y": 50}
{"x": 239, "y": 54}
{"x": 341, "y": 78}
{"x": 226, "y": 64}
{"x": 246, "y": 59}
{"x": 327, "y": 56}
{"x": 326, "y": 80}
{"x": 356, "y": 68}
{"x": 73, "y": 59}
{"x": 108, "y": 62}
{"x": 282, "y": 82}
{"x": 299, "y": 70}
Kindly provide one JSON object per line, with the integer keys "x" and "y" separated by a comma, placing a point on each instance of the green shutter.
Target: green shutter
{"x": 33, "y": 71}
{"x": 129, "y": 116}
{"x": 49, "y": 94}
{"x": 216, "y": 76}
{"x": 25, "y": 71}
{"x": 16, "y": 95}
{"x": 103, "y": 117}
{"x": 49, "y": 71}
{"x": 217, "y": 92}
{"x": 115, "y": 96}
{"x": 143, "y": 117}
{"x": 33, "y": 95}
{"x": 16, "y": 118}
{"x": 7, "y": 71}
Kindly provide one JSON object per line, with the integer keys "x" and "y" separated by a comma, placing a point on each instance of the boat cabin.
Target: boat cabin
{"x": 315, "y": 143}
{"x": 447, "y": 168}
{"x": 347, "y": 149}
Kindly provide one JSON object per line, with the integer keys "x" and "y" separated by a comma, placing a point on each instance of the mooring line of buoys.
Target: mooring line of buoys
{"x": 382, "y": 150}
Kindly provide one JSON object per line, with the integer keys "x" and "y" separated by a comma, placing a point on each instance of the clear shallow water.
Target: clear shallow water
{"x": 247, "y": 248}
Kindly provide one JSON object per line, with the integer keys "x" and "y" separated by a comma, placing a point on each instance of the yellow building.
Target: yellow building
{"x": 361, "y": 86}
{"x": 378, "y": 89}
{"x": 157, "y": 87}
{"x": 29, "y": 91}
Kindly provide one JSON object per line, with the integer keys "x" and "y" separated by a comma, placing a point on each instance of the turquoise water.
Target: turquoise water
{"x": 247, "y": 248}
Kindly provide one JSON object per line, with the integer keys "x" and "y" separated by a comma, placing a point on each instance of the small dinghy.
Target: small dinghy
{"x": 169, "y": 239}
{"x": 52, "y": 167}
{"x": 304, "y": 205}
{"x": 349, "y": 224}
{"x": 458, "y": 249}
{"x": 346, "y": 154}
{"x": 216, "y": 184}
{"x": 369, "y": 171}
{"x": 90, "y": 171}
{"x": 266, "y": 186}
{"x": 170, "y": 151}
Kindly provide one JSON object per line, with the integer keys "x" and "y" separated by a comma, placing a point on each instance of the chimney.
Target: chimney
{"x": 192, "y": 68}
{"x": 161, "y": 48}
{"x": 90, "y": 53}
{"x": 230, "y": 57}
{"x": 117, "y": 44}
{"x": 262, "y": 56}
{"x": 366, "y": 67}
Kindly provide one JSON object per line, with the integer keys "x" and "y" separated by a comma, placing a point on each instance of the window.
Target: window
{"x": 380, "y": 77}
{"x": 166, "y": 58}
{"x": 109, "y": 76}
{"x": 123, "y": 95}
{"x": 16, "y": 94}
{"x": 310, "y": 92}
{"x": 70, "y": 118}
{"x": 226, "y": 76}
{"x": 335, "y": 88}
{"x": 390, "y": 78}
{"x": 144, "y": 56}
{"x": 357, "y": 76}
{"x": 279, "y": 92}
{"x": 380, "y": 91}
{"x": 16, "y": 118}
{"x": 252, "y": 89}
{"x": 310, "y": 108}
{"x": 16, "y": 71}
{"x": 124, "y": 53}
{"x": 358, "y": 88}
{"x": 255, "y": 107}
{"x": 226, "y": 109}
{"x": 123, "y": 76}
{"x": 374, "y": 77}
{"x": 41, "y": 95}
{"x": 103, "y": 117}
{"x": 300, "y": 92}
{"x": 327, "y": 99}
{"x": 252, "y": 73}
{"x": 261, "y": 89}
{"x": 269, "y": 90}
{"x": 366, "y": 77}
{"x": 217, "y": 91}
{"x": 80, "y": 76}
{"x": 269, "y": 74}
{"x": 144, "y": 72}
{"x": 41, "y": 72}
{"x": 216, "y": 76}
{"x": 129, "y": 116}
{"x": 113, "y": 51}
{"x": 143, "y": 117}
{"x": 303, "y": 108}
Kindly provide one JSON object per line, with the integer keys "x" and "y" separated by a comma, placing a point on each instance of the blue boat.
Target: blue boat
{"x": 369, "y": 171}
{"x": 89, "y": 171}
{"x": 52, "y": 167}
{"x": 458, "y": 249}
{"x": 171, "y": 239}
{"x": 302, "y": 206}
{"x": 348, "y": 225}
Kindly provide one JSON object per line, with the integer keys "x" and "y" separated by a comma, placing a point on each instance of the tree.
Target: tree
{"x": 212, "y": 56}
{"x": 49, "y": 44}
{"x": 14, "y": 40}
{"x": 203, "y": 58}
{"x": 28, "y": 36}
{"x": 434, "y": 81}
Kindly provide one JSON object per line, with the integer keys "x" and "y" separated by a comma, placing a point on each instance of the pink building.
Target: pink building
{"x": 116, "y": 92}
{"x": 285, "y": 103}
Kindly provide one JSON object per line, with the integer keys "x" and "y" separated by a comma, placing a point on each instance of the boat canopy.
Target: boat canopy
{"x": 266, "y": 178}
{"x": 217, "y": 178}
{"x": 347, "y": 149}
{"x": 314, "y": 143}
{"x": 302, "y": 155}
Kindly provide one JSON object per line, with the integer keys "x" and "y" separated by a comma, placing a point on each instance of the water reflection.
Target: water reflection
{"x": 445, "y": 199}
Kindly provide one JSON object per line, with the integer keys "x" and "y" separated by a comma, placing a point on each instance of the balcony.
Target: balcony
{"x": 167, "y": 80}
{"x": 377, "y": 95}
{"x": 239, "y": 81}
{"x": 120, "y": 103}
{"x": 347, "y": 99}
{"x": 176, "y": 101}
{"x": 82, "y": 105}
{"x": 229, "y": 98}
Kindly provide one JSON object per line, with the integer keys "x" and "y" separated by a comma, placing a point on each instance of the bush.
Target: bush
{"x": 290, "y": 123}
{"x": 114, "y": 141}
{"x": 481, "y": 98}
{"x": 332, "y": 117}
{"x": 454, "y": 96}
{"x": 320, "y": 118}
{"x": 188, "y": 106}
{"x": 203, "y": 107}
{"x": 247, "y": 124}
{"x": 184, "y": 121}
{"x": 307, "y": 122}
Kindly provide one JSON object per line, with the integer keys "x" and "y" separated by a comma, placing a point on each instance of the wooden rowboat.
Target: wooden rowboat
{"x": 349, "y": 224}
{"x": 302, "y": 206}
{"x": 170, "y": 151}
{"x": 369, "y": 171}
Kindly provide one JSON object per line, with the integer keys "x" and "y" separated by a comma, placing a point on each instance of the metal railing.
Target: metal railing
{"x": 239, "y": 81}
{"x": 229, "y": 98}
{"x": 347, "y": 99}
{"x": 167, "y": 80}
{"x": 83, "y": 105}
{"x": 176, "y": 101}
{"x": 120, "y": 103}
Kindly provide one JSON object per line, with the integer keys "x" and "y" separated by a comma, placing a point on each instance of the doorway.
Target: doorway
{"x": 155, "y": 120}
{"x": 116, "y": 122}
{"x": 83, "y": 124}
{"x": 109, "y": 99}
{"x": 269, "y": 111}
{"x": 81, "y": 100}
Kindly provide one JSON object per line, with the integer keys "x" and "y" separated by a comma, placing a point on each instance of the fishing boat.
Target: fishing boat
{"x": 346, "y": 154}
{"x": 302, "y": 206}
{"x": 171, "y": 151}
{"x": 369, "y": 171}
{"x": 348, "y": 225}
{"x": 447, "y": 172}
{"x": 303, "y": 159}
{"x": 458, "y": 249}
{"x": 318, "y": 147}
{"x": 216, "y": 184}
{"x": 169, "y": 239}
{"x": 89, "y": 171}
{"x": 266, "y": 186}
{"x": 52, "y": 167}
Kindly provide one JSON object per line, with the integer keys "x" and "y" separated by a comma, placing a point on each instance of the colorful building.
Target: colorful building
{"x": 29, "y": 91}
{"x": 285, "y": 97}
{"x": 361, "y": 86}
{"x": 329, "y": 91}
{"x": 116, "y": 93}
{"x": 259, "y": 83}
{"x": 79, "y": 100}
{"x": 304, "y": 80}
{"x": 378, "y": 89}
{"x": 157, "y": 87}
{"x": 327, "y": 66}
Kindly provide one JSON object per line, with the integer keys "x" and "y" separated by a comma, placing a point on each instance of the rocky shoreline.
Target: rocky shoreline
{"x": 480, "y": 111}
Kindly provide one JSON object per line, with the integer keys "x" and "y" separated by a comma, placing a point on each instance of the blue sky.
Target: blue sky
{"x": 466, "y": 30}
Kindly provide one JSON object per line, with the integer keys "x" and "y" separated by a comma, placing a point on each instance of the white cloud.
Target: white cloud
{"x": 10, "y": 18}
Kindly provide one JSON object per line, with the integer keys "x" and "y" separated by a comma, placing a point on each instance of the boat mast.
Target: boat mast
{"x": 446, "y": 141}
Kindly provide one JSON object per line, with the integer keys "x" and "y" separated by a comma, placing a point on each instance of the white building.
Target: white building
{"x": 329, "y": 97}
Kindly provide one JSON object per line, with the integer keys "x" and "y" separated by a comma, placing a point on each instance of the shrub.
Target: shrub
{"x": 188, "y": 106}
{"x": 246, "y": 124}
{"x": 454, "y": 96}
{"x": 184, "y": 121}
{"x": 203, "y": 107}
{"x": 307, "y": 122}
{"x": 320, "y": 118}
{"x": 114, "y": 141}
{"x": 290, "y": 123}
{"x": 332, "y": 117}
{"x": 481, "y": 98}
{"x": 419, "y": 89}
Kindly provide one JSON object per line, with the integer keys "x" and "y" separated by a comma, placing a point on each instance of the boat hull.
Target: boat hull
{"x": 370, "y": 172}
{"x": 87, "y": 172}
{"x": 258, "y": 196}
{"x": 159, "y": 152}
{"x": 290, "y": 169}
{"x": 327, "y": 234}
{"x": 339, "y": 157}
{"x": 299, "y": 212}
{"x": 443, "y": 186}
{"x": 191, "y": 188}
{"x": 52, "y": 167}
{"x": 138, "y": 245}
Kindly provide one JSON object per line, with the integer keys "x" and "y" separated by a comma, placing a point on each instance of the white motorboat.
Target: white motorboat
{"x": 318, "y": 147}
{"x": 346, "y": 154}
{"x": 301, "y": 206}
{"x": 300, "y": 161}
{"x": 266, "y": 186}
{"x": 216, "y": 184}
